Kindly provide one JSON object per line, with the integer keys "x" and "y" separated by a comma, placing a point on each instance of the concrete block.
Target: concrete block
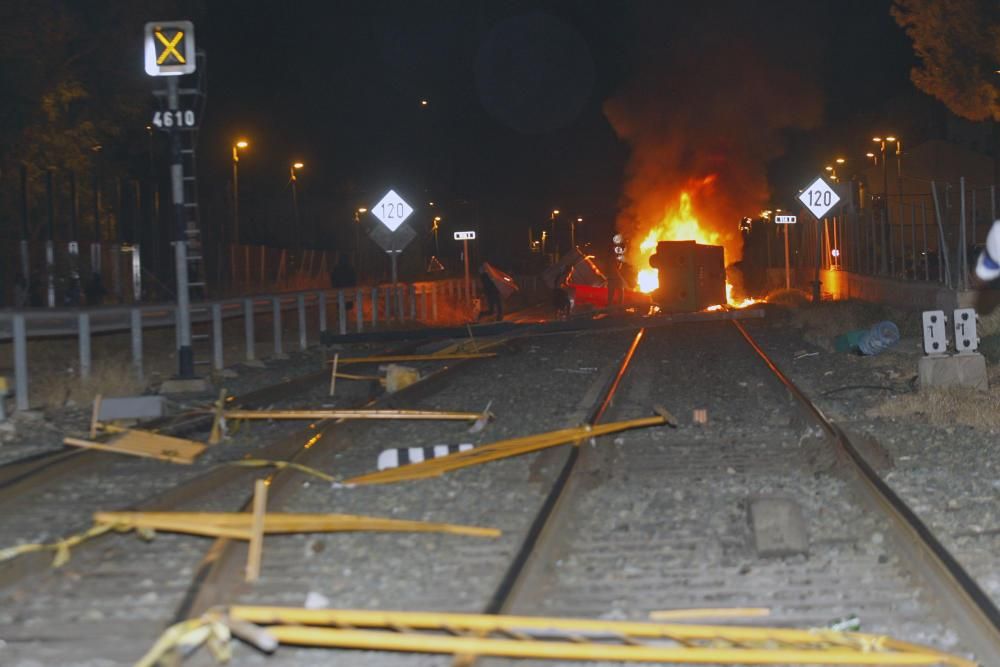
{"x": 131, "y": 407}
{"x": 959, "y": 370}
{"x": 778, "y": 528}
{"x": 185, "y": 386}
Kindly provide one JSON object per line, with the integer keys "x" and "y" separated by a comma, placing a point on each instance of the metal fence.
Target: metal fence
{"x": 345, "y": 310}
{"x": 933, "y": 233}
{"x": 57, "y": 273}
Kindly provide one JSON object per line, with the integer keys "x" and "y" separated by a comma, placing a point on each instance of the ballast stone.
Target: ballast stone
{"x": 959, "y": 370}
{"x": 778, "y": 528}
{"x": 185, "y": 386}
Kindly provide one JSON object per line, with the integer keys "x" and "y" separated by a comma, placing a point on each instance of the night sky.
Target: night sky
{"x": 519, "y": 92}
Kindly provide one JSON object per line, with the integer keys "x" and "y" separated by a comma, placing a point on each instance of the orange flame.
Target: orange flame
{"x": 679, "y": 224}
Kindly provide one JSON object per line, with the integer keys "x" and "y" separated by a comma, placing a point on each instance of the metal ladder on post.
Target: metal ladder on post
{"x": 192, "y": 97}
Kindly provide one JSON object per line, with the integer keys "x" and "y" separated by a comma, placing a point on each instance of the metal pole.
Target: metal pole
{"x": 83, "y": 339}
{"x": 342, "y": 312}
{"x": 300, "y": 303}
{"x": 135, "y": 320}
{"x": 25, "y": 233}
{"x": 321, "y": 310}
{"x": 927, "y": 252}
{"x": 788, "y": 270}
{"x": 819, "y": 259}
{"x": 468, "y": 283}
{"x": 236, "y": 196}
{"x": 359, "y": 309}
{"x": 248, "y": 329}
{"x": 20, "y": 362}
{"x": 963, "y": 254}
{"x": 50, "y": 228}
{"x": 276, "y": 316}
{"x": 185, "y": 355}
{"x": 217, "y": 359}
{"x": 943, "y": 243}
{"x": 395, "y": 285}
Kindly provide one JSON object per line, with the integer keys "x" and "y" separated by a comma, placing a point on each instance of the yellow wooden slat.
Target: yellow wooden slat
{"x": 211, "y": 523}
{"x": 145, "y": 444}
{"x": 501, "y": 449}
{"x": 416, "y": 357}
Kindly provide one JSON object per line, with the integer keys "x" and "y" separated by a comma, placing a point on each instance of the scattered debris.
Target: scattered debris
{"x": 256, "y": 549}
{"x": 400, "y": 377}
{"x": 401, "y": 456}
{"x": 263, "y": 463}
{"x": 875, "y": 340}
{"x": 222, "y": 417}
{"x": 145, "y": 444}
{"x": 451, "y": 356}
{"x": 316, "y": 600}
{"x": 235, "y": 525}
{"x": 239, "y": 525}
{"x": 546, "y": 638}
{"x": 700, "y": 416}
{"x": 847, "y": 624}
{"x": 719, "y": 612}
{"x": 485, "y": 418}
{"x": 506, "y": 448}
{"x": 113, "y": 409}
{"x": 803, "y": 355}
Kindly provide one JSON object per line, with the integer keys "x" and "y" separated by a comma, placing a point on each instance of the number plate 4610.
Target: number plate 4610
{"x": 168, "y": 120}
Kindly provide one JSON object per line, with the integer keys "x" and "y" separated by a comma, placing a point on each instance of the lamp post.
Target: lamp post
{"x": 882, "y": 142}
{"x": 434, "y": 228}
{"x": 555, "y": 243}
{"x": 358, "y": 212}
{"x": 242, "y": 143}
{"x": 572, "y": 231}
{"x": 295, "y": 167}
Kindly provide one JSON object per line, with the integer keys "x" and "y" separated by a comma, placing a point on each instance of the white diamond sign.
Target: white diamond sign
{"x": 392, "y": 210}
{"x": 819, "y": 198}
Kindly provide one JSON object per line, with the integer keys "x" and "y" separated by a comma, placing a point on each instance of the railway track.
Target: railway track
{"x": 651, "y": 520}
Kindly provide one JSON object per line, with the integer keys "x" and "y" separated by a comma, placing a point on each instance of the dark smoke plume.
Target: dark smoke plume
{"x": 715, "y": 87}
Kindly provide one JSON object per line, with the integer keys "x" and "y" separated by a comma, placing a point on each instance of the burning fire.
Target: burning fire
{"x": 680, "y": 224}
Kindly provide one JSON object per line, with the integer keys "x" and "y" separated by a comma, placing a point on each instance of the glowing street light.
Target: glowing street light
{"x": 237, "y": 147}
{"x": 296, "y": 166}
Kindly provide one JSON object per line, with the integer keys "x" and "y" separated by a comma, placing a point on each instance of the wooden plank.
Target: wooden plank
{"x": 351, "y": 414}
{"x": 147, "y": 445}
{"x": 238, "y": 524}
{"x": 502, "y": 449}
{"x": 256, "y": 550}
{"x": 417, "y": 357}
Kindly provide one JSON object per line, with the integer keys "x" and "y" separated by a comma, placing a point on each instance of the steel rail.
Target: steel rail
{"x": 220, "y": 572}
{"x": 48, "y": 466}
{"x": 976, "y": 617}
{"x": 526, "y": 559}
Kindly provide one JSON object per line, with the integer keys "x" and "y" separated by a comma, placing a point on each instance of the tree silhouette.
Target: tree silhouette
{"x": 958, "y": 43}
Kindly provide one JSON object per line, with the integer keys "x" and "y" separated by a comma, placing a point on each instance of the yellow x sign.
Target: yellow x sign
{"x": 170, "y": 47}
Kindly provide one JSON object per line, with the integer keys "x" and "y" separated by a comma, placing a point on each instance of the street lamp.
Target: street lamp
{"x": 358, "y": 212}
{"x": 435, "y": 224}
{"x": 572, "y": 231}
{"x": 882, "y": 142}
{"x": 555, "y": 244}
{"x": 296, "y": 166}
{"x": 237, "y": 147}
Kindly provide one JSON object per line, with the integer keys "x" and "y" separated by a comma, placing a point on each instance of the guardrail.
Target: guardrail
{"x": 372, "y": 306}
